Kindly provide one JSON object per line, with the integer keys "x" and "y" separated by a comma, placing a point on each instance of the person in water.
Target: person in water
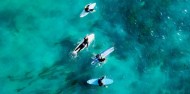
{"x": 100, "y": 83}
{"x": 83, "y": 44}
{"x": 100, "y": 58}
{"x": 87, "y": 9}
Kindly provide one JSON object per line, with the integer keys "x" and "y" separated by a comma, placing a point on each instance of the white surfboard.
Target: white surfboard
{"x": 104, "y": 54}
{"x": 84, "y": 13}
{"x": 107, "y": 52}
{"x": 90, "y": 39}
{"x": 105, "y": 81}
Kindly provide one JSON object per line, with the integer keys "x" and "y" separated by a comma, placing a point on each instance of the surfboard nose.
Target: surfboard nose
{"x": 93, "y": 34}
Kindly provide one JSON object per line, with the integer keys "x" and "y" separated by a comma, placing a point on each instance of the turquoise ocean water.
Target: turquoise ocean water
{"x": 151, "y": 40}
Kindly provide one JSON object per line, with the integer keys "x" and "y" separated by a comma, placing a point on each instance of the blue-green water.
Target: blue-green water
{"x": 151, "y": 39}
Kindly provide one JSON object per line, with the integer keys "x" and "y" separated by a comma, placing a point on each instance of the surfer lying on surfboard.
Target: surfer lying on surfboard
{"x": 100, "y": 83}
{"x": 83, "y": 44}
{"x": 87, "y": 9}
{"x": 100, "y": 58}
{"x": 103, "y": 81}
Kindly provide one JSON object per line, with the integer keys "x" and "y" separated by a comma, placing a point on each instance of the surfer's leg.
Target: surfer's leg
{"x": 80, "y": 47}
{"x": 76, "y": 49}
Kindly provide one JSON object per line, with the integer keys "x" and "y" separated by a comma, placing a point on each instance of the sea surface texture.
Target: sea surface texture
{"x": 151, "y": 40}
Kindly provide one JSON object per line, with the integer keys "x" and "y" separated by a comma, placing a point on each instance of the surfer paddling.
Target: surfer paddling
{"x": 101, "y": 57}
{"x": 102, "y": 81}
{"x": 87, "y": 9}
{"x": 84, "y": 44}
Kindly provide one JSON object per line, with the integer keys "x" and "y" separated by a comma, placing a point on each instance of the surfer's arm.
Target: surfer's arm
{"x": 104, "y": 59}
{"x": 86, "y": 6}
{"x": 94, "y": 10}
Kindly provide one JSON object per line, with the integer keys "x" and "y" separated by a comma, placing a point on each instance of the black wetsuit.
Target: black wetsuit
{"x": 100, "y": 58}
{"x": 100, "y": 83}
{"x": 87, "y": 9}
{"x": 85, "y": 42}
